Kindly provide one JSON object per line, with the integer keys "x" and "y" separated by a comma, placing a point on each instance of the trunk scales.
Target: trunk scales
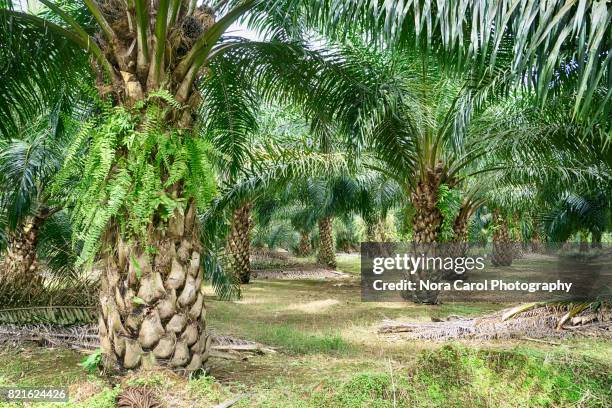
{"x": 151, "y": 308}
{"x": 239, "y": 243}
{"x": 326, "y": 255}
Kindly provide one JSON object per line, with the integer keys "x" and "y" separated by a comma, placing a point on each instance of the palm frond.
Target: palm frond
{"x": 26, "y": 165}
{"x": 57, "y": 315}
{"x": 33, "y": 74}
{"x": 56, "y": 250}
{"x": 545, "y": 42}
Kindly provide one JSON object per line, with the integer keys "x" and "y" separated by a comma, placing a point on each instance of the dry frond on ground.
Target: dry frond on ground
{"x": 533, "y": 320}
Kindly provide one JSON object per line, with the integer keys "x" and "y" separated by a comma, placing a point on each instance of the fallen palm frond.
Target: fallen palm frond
{"x": 81, "y": 337}
{"x": 57, "y": 315}
{"x": 300, "y": 274}
{"x": 85, "y": 337}
{"x": 138, "y": 397}
{"x": 232, "y": 344}
{"x": 533, "y": 321}
{"x": 82, "y": 291}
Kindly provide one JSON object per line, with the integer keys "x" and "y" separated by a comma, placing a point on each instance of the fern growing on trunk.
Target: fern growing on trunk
{"x": 143, "y": 180}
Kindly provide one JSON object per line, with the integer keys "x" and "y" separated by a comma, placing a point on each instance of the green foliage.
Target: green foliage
{"x": 55, "y": 249}
{"x": 347, "y": 235}
{"x": 43, "y": 65}
{"x": 512, "y": 378}
{"x": 449, "y": 204}
{"x": 226, "y": 285}
{"x": 462, "y": 377}
{"x": 571, "y": 212}
{"x": 133, "y": 167}
{"x": 206, "y": 387}
{"x": 480, "y": 227}
{"x": 28, "y": 162}
{"x": 92, "y": 362}
{"x": 366, "y": 389}
{"x": 277, "y": 234}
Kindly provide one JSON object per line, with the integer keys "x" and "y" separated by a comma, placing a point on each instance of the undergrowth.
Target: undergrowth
{"x": 456, "y": 376}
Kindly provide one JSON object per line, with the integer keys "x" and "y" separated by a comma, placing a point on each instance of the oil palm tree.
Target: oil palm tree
{"x": 582, "y": 209}
{"x": 236, "y": 134}
{"x": 413, "y": 118}
{"x": 376, "y": 198}
{"x": 558, "y": 155}
{"x": 461, "y": 130}
{"x": 318, "y": 201}
{"x": 28, "y": 163}
{"x": 292, "y": 182}
{"x": 146, "y": 174}
{"x": 280, "y": 209}
{"x": 426, "y": 128}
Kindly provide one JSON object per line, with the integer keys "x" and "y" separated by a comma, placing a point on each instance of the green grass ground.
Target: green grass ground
{"x": 329, "y": 355}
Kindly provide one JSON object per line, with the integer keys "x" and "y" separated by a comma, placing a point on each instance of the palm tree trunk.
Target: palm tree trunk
{"x": 459, "y": 245}
{"x": 20, "y": 266}
{"x": 502, "y": 246}
{"x": 304, "y": 247}
{"x": 326, "y": 255}
{"x": 426, "y": 228}
{"x": 518, "y": 249}
{"x": 536, "y": 240}
{"x": 151, "y": 307}
{"x": 375, "y": 231}
{"x": 239, "y": 243}
{"x": 370, "y": 232}
{"x": 381, "y": 233}
{"x": 596, "y": 240}
{"x": 584, "y": 242}
{"x": 427, "y": 216}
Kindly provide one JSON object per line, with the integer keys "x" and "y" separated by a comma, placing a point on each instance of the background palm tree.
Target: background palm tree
{"x": 413, "y": 119}
{"x": 26, "y": 167}
{"x": 39, "y": 265}
{"x": 573, "y": 212}
{"x": 557, "y": 155}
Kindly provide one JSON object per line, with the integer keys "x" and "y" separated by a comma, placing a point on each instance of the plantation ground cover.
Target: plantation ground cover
{"x": 330, "y": 355}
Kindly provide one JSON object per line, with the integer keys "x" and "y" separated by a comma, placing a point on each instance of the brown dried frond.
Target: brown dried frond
{"x": 138, "y": 397}
{"x": 549, "y": 320}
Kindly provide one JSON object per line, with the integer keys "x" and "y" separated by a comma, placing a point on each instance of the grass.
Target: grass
{"x": 349, "y": 263}
{"x": 30, "y": 366}
{"x": 329, "y": 355}
{"x": 295, "y": 341}
{"x": 455, "y": 376}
